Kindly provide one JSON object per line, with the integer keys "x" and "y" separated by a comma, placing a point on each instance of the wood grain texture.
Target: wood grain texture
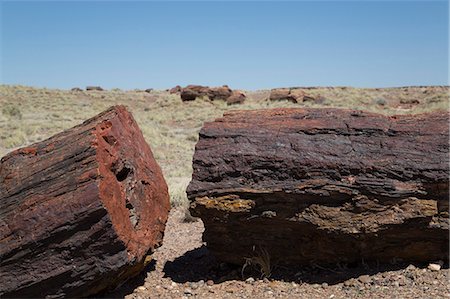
{"x": 80, "y": 211}
{"x": 323, "y": 185}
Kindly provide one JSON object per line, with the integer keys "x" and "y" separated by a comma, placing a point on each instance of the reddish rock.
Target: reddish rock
{"x": 176, "y": 89}
{"x": 297, "y": 94}
{"x": 237, "y": 97}
{"x": 219, "y": 93}
{"x": 294, "y": 95}
{"x": 191, "y": 92}
{"x": 80, "y": 211}
{"x": 323, "y": 185}
{"x": 280, "y": 94}
{"x": 97, "y": 88}
{"x": 409, "y": 101}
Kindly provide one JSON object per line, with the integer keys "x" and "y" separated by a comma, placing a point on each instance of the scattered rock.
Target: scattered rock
{"x": 209, "y": 282}
{"x": 434, "y": 267}
{"x": 409, "y": 101}
{"x": 294, "y": 95}
{"x": 280, "y": 94}
{"x": 97, "y": 88}
{"x": 176, "y": 89}
{"x": 350, "y": 283}
{"x": 365, "y": 279}
{"x": 191, "y": 92}
{"x": 297, "y": 94}
{"x": 250, "y": 280}
{"x": 268, "y": 214}
{"x": 219, "y": 93}
{"x": 148, "y": 90}
{"x": 237, "y": 97}
{"x": 411, "y": 267}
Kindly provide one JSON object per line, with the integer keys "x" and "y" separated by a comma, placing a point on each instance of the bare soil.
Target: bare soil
{"x": 183, "y": 267}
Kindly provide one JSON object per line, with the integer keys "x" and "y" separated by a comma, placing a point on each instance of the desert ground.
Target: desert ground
{"x": 183, "y": 267}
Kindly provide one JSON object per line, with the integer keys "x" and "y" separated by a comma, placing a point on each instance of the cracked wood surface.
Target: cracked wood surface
{"x": 80, "y": 211}
{"x": 323, "y": 185}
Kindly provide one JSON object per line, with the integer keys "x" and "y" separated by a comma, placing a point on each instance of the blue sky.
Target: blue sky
{"x": 249, "y": 45}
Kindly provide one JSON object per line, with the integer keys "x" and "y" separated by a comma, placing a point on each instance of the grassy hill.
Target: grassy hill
{"x": 171, "y": 126}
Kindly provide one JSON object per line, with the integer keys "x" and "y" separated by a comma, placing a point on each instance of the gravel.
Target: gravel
{"x": 184, "y": 268}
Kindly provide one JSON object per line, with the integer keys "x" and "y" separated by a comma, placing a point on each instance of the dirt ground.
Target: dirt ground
{"x": 183, "y": 268}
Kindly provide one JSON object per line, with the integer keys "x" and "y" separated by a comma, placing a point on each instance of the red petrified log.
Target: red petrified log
{"x": 323, "y": 185}
{"x": 80, "y": 211}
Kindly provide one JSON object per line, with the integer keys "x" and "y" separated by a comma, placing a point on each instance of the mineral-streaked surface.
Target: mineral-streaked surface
{"x": 80, "y": 211}
{"x": 322, "y": 186}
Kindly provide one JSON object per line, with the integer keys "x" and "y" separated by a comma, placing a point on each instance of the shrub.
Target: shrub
{"x": 12, "y": 111}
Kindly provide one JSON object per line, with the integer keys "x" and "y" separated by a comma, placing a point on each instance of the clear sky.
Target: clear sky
{"x": 248, "y": 45}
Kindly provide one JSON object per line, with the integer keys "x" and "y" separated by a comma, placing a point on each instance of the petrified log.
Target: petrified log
{"x": 323, "y": 186}
{"x": 191, "y": 92}
{"x": 290, "y": 94}
{"x": 219, "y": 93}
{"x": 80, "y": 211}
{"x": 237, "y": 97}
{"x": 97, "y": 88}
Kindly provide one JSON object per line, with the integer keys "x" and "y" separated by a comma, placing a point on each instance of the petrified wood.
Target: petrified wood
{"x": 323, "y": 186}
{"x": 80, "y": 211}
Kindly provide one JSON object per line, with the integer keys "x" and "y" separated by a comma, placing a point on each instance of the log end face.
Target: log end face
{"x": 132, "y": 186}
{"x": 81, "y": 210}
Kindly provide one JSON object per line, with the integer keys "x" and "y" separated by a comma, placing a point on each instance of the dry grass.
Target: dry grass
{"x": 261, "y": 260}
{"x": 170, "y": 126}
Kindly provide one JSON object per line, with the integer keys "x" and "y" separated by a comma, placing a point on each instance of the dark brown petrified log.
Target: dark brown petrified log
{"x": 80, "y": 211}
{"x": 323, "y": 186}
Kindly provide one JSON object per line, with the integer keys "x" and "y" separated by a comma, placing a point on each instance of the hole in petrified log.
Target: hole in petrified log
{"x": 123, "y": 173}
{"x": 111, "y": 140}
{"x": 134, "y": 217}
